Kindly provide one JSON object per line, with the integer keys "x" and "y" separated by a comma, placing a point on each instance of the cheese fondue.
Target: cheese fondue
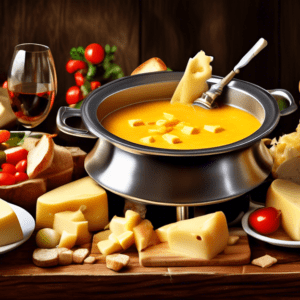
{"x": 162, "y": 124}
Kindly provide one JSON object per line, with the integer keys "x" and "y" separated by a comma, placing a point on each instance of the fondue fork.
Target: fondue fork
{"x": 207, "y": 99}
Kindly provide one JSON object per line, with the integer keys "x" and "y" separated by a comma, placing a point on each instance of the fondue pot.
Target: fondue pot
{"x": 179, "y": 178}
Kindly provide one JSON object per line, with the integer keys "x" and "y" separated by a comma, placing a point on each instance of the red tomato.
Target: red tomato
{"x": 14, "y": 155}
{"x": 7, "y": 179}
{"x": 94, "y": 53}
{"x": 4, "y": 84}
{"x": 95, "y": 84}
{"x": 8, "y": 168}
{"x": 20, "y": 176}
{"x": 75, "y": 65}
{"x": 79, "y": 79}
{"x": 21, "y": 165}
{"x": 74, "y": 95}
{"x": 4, "y": 136}
{"x": 265, "y": 220}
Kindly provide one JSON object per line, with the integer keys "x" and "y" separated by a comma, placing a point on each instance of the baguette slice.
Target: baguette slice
{"x": 153, "y": 64}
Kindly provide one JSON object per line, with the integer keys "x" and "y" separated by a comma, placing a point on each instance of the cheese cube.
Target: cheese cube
{"x": 135, "y": 123}
{"x": 161, "y": 122}
{"x": 285, "y": 196}
{"x": 189, "y": 130}
{"x": 161, "y": 130}
{"x": 10, "y": 229}
{"x": 162, "y": 232}
{"x": 126, "y": 239}
{"x": 107, "y": 247}
{"x": 70, "y": 197}
{"x": 142, "y": 234}
{"x": 67, "y": 240}
{"x": 213, "y": 128}
{"x": 201, "y": 237}
{"x": 102, "y": 235}
{"x": 148, "y": 139}
{"x": 113, "y": 238}
{"x": 117, "y": 225}
{"x": 171, "y": 138}
{"x": 80, "y": 229}
{"x": 132, "y": 219}
{"x": 180, "y": 125}
{"x": 168, "y": 116}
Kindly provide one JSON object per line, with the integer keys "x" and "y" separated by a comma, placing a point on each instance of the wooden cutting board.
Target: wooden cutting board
{"x": 161, "y": 256}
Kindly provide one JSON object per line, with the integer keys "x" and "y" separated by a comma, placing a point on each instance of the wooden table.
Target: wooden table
{"x": 21, "y": 279}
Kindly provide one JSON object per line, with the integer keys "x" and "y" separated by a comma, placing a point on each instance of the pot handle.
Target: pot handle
{"x": 66, "y": 112}
{"x": 281, "y": 93}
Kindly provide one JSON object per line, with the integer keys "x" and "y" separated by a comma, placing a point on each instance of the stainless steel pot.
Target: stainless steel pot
{"x": 175, "y": 177}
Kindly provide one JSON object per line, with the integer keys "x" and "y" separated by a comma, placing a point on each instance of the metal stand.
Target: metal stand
{"x": 182, "y": 213}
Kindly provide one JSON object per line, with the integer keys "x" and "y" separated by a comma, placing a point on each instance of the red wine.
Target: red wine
{"x": 31, "y": 108}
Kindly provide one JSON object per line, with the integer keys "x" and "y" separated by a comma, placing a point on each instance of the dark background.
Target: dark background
{"x": 172, "y": 30}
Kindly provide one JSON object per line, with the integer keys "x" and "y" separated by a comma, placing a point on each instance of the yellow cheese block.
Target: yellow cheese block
{"x": 126, "y": 239}
{"x": 10, "y": 229}
{"x": 80, "y": 229}
{"x": 285, "y": 196}
{"x": 193, "y": 83}
{"x": 201, "y": 237}
{"x": 107, "y": 247}
{"x": 67, "y": 240}
{"x": 70, "y": 197}
{"x": 117, "y": 225}
{"x": 142, "y": 234}
{"x": 132, "y": 219}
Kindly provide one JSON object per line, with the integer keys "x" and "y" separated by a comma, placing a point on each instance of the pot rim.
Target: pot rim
{"x": 93, "y": 100}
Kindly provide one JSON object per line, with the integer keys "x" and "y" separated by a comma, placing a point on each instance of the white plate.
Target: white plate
{"x": 276, "y": 242}
{"x": 27, "y": 224}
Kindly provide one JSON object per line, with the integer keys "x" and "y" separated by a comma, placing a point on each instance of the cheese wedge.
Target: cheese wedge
{"x": 10, "y": 229}
{"x": 70, "y": 197}
{"x": 201, "y": 237}
{"x": 132, "y": 219}
{"x": 126, "y": 239}
{"x": 285, "y": 196}
{"x": 162, "y": 232}
{"x": 107, "y": 247}
{"x": 63, "y": 221}
{"x": 193, "y": 83}
{"x": 142, "y": 234}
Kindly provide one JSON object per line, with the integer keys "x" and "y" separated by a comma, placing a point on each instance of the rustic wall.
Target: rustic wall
{"x": 173, "y": 30}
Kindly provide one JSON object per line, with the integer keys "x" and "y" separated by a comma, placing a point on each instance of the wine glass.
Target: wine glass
{"x": 32, "y": 83}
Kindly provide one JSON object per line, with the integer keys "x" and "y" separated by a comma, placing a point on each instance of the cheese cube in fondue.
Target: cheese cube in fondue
{"x": 189, "y": 130}
{"x": 213, "y": 128}
{"x": 10, "y": 229}
{"x": 171, "y": 138}
{"x": 148, "y": 139}
{"x": 201, "y": 237}
{"x": 137, "y": 122}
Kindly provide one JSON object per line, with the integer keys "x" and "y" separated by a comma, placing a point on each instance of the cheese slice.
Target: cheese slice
{"x": 10, "y": 229}
{"x": 285, "y": 196}
{"x": 193, "y": 83}
{"x": 201, "y": 237}
{"x": 70, "y": 197}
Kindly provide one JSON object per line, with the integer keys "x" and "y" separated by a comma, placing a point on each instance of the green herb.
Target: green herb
{"x": 111, "y": 69}
{"x": 78, "y": 104}
{"x": 168, "y": 69}
{"x": 282, "y": 103}
{"x": 16, "y": 139}
{"x": 77, "y": 53}
{"x": 85, "y": 88}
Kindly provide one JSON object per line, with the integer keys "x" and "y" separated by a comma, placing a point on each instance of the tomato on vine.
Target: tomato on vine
{"x": 95, "y": 84}
{"x": 4, "y": 136}
{"x": 74, "y": 95}
{"x": 94, "y": 53}
{"x": 75, "y": 65}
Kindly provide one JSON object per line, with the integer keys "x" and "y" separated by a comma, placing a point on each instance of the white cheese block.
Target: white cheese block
{"x": 10, "y": 229}
{"x": 285, "y": 196}
{"x": 201, "y": 237}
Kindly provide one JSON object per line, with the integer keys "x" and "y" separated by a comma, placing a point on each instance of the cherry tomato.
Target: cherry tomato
{"x": 14, "y": 155}
{"x": 75, "y": 65}
{"x": 20, "y": 176}
{"x": 7, "y": 179}
{"x": 21, "y": 165}
{"x": 8, "y": 168}
{"x": 74, "y": 95}
{"x": 4, "y": 85}
{"x": 94, "y": 53}
{"x": 4, "y": 136}
{"x": 95, "y": 84}
{"x": 265, "y": 220}
{"x": 79, "y": 79}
